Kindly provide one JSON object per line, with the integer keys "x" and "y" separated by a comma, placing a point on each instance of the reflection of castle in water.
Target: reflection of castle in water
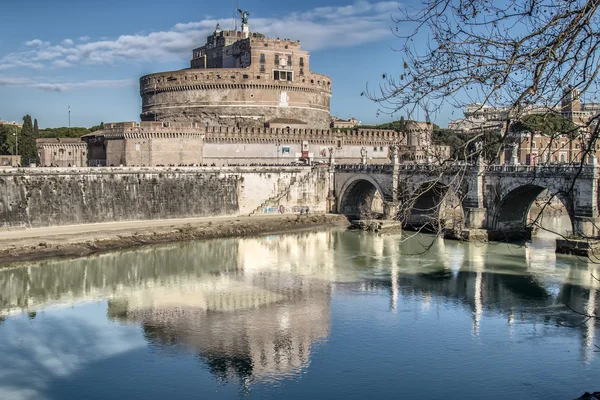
{"x": 254, "y": 308}
{"x": 250, "y": 308}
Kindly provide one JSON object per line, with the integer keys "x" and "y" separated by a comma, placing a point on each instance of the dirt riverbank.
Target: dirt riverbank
{"x": 82, "y": 240}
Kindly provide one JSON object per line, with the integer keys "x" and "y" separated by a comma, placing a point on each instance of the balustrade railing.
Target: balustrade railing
{"x": 569, "y": 169}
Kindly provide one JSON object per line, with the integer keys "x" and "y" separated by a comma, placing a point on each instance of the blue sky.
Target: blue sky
{"x": 89, "y": 54}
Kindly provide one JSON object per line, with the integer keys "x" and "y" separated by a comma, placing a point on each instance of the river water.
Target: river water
{"x": 330, "y": 314}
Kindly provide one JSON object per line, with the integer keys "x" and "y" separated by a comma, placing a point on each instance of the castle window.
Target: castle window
{"x": 262, "y": 58}
{"x": 289, "y": 60}
{"x": 380, "y": 148}
{"x": 69, "y": 153}
{"x": 286, "y": 46}
{"x": 312, "y": 81}
{"x": 262, "y": 68}
{"x": 276, "y": 59}
{"x": 375, "y": 148}
{"x": 283, "y": 75}
{"x": 245, "y": 76}
{"x": 302, "y": 61}
{"x": 266, "y": 45}
{"x": 301, "y": 71}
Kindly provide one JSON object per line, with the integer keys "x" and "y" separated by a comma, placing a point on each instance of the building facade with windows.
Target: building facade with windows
{"x": 240, "y": 79}
{"x": 62, "y": 152}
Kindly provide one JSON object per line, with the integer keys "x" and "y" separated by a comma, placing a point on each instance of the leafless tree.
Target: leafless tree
{"x": 524, "y": 56}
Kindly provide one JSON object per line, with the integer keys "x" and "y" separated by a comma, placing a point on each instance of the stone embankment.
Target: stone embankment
{"x": 82, "y": 240}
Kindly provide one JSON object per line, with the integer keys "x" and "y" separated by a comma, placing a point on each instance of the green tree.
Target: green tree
{"x": 550, "y": 124}
{"x": 36, "y": 131}
{"x": 97, "y": 127}
{"x": 27, "y": 145}
{"x": 64, "y": 132}
{"x": 8, "y": 136}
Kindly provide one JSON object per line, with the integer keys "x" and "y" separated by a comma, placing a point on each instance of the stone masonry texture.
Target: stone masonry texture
{"x": 37, "y": 197}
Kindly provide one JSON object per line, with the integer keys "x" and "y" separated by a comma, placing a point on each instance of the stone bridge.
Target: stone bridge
{"x": 492, "y": 201}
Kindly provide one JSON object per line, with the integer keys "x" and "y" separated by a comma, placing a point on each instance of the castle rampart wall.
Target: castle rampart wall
{"x": 35, "y": 197}
{"x": 151, "y": 144}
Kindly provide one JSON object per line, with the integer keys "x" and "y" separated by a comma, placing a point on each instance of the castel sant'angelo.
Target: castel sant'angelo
{"x": 246, "y": 99}
{"x": 241, "y": 79}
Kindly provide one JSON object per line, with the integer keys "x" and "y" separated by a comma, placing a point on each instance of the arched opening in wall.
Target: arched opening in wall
{"x": 362, "y": 200}
{"x": 531, "y": 210}
{"x": 434, "y": 209}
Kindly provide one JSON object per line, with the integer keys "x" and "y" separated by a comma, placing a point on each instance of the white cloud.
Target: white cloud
{"x": 322, "y": 27}
{"x": 61, "y": 64}
{"x": 91, "y": 84}
{"x": 14, "y": 81}
{"x": 36, "y": 42}
{"x": 65, "y": 86}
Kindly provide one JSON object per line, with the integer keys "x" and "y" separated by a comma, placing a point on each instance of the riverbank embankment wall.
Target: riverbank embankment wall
{"x": 37, "y": 197}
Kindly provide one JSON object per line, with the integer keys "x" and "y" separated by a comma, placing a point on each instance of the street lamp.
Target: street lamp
{"x": 16, "y": 141}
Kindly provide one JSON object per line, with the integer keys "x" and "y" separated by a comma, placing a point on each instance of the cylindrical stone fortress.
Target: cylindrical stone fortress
{"x": 241, "y": 79}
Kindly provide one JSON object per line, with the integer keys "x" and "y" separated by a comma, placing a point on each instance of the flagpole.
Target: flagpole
{"x": 69, "y": 117}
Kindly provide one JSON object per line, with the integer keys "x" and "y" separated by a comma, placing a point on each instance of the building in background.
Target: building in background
{"x": 338, "y": 123}
{"x": 478, "y": 116}
{"x": 11, "y": 123}
{"x": 61, "y": 152}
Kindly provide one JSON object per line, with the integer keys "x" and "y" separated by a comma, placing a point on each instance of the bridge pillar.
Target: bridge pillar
{"x": 588, "y": 227}
{"x": 331, "y": 199}
{"x": 390, "y": 209}
{"x": 473, "y": 206}
{"x": 586, "y": 222}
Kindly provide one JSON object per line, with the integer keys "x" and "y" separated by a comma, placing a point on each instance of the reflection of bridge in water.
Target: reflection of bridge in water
{"x": 522, "y": 283}
{"x": 254, "y": 308}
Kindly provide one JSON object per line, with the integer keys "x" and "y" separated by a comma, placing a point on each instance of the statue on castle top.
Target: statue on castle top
{"x": 244, "y": 15}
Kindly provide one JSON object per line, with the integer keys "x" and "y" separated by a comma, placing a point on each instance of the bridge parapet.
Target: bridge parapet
{"x": 365, "y": 168}
{"x": 586, "y": 171}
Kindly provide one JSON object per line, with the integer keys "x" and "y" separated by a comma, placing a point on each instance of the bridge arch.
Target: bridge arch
{"x": 358, "y": 195}
{"x": 434, "y": 207}
{"x": 511, "y": 210}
